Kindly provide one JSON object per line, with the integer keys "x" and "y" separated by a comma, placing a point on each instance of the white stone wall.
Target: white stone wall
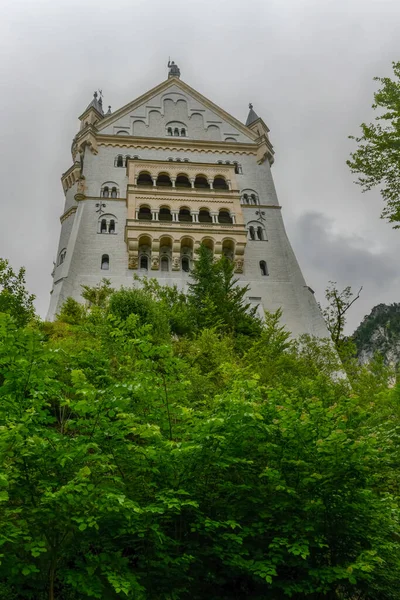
{"x": 284, "y": 286}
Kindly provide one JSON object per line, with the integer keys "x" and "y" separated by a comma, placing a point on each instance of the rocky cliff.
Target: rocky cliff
{"x": 380, "y": 332}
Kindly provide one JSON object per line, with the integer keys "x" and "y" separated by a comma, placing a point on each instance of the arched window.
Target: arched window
{"x": 164, "y": 180}
{"x": 245, "y": 198}
{"x": 103, "y": 226}
{"x": 252, "y": 233}
{"x": 176, "y": 131}
{"x": 201, "y": 182}
{"x": 169, "y": 131}
{"x": 144, "y": 263}
{"x": 164, "y": 263}
{"x": 120, "y": 161}
{"x": 185, "y": 264}
{"x": 126, "y": 160}
{"x": 253, "y": 199}
{"x": 182, "y": 182}
{"x": 105, "y": 262}
{"x": 164, "y": 214}
{"x": 183, "y": 132}
{"x": 263, "y": 268}
{"x": 144, "y": 213}
{"x": 204, "y": 216}
{"x": 114, "y": 192}
{"x": 111, "y": 227}
{"x": 224, "y": 217}
{"x": 260, "y": 233}
{"x": 106, "y": 192}
{"x": 184, "y": 215}
{"x": 61, "y": 257}
{"x": 238, "y": 168}
{"x": 220, "y": 184}
{"x": 145, "y": 179}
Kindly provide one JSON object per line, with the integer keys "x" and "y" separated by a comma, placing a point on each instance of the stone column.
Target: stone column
{"x": 195, "y": 216}
{"x": 137, "y": 213}
{"x": 228, "y": 181}
{"x": 154, "y": 180}
{"x": 233, "y": 217}
{"x": 175, "y": 215}
{"x": 211, "y": 182}
{"x": 192, "y": 180}
{"x": 173, "y": 180}
{"x": 154, "y": 214}
{"x": 214, "y": 216}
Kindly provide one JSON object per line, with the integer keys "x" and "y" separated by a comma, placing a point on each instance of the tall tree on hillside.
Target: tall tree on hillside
{"x": 14, "y": 298}
{"x": 377, "y": 158}
{"x": 335, "y": 313}
{"x": 216, "y": 297}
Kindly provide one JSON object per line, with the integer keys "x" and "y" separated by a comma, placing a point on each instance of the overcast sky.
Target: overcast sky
{"x": 307, "y": 66}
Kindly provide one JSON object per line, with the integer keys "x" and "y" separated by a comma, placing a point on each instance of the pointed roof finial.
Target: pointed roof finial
{"x": 252, "y": 116}
{"x": 97, "y": 103}
{"x": 109, "y": 111}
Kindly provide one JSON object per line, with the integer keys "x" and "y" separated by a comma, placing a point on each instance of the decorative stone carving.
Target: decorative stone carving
{"x": 174, "y": 70}
{"x": 239, "y": 266}
{"x": 176, "y": 263}
{"x": 133, "y": 262}
{"x": 155, "y": 263}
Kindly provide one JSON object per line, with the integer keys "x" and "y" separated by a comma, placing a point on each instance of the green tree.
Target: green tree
{"x": 14, "y": 298}
{"x": 99, "y": 294}
{"x": 138, "y": 465}
{"x": 217, "y": 299}
{"x": 376, "y": 160}
{"x": 335, "y": 313}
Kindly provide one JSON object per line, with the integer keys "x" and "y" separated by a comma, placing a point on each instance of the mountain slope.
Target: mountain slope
{"x": 380, "y": 332}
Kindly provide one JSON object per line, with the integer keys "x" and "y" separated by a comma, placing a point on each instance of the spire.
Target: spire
{"x": 108, "y": 112}
{"x": 96, "y": 103}
{"x": 252, "y": 116}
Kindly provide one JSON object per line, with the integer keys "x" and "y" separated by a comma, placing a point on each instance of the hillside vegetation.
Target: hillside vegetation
{"x": 162, "y": 446}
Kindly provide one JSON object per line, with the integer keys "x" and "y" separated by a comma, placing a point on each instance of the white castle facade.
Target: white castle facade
{"x": 169, "y": 171}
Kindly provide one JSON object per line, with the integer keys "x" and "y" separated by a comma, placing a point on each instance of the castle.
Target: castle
{"x": 169, "y": 171}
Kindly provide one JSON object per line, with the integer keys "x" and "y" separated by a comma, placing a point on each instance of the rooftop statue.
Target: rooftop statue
{"x": 174, "y": 70}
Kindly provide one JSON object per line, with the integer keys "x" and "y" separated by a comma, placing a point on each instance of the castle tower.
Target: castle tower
{"x": 153, "y": 180}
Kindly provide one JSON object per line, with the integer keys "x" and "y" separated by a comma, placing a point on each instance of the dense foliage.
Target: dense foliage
{"x": 152, "y": 450}
{"x": 376, "y": 159}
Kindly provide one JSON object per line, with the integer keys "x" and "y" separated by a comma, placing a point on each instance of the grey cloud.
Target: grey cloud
{"x": 327, "y": 254}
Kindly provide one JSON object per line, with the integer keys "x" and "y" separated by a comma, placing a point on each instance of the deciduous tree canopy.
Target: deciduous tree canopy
{"x": 142, "y": 463}
{"x": 377, "y": 158}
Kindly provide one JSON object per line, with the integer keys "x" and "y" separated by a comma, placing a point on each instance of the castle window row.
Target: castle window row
{"x": 170, "y": 159}
{"x": 164, "y": 257}
{"x": 176, "y": 131}
{"x": 182, "y": 181}
{"x": 238, "y": 167}
{"x": 107, "y": 224}
{"x": 122, "y": 161}
{"x": 250, "y": 198}
{"x": 257, "y": 233}
{"x": 109, "y": 192}
{"x": 185, "y": 215}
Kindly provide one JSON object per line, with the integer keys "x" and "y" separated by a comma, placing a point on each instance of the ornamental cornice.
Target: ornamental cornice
{"x": 177, "y": 144}
{"x": 68, "y": 213}
{"x": 185, "y": 198}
